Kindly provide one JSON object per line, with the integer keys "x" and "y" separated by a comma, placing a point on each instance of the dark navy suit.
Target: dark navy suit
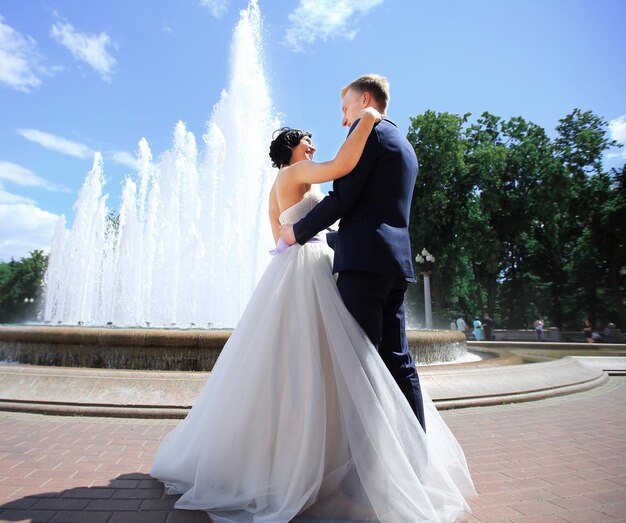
{"x": 372, "y": 247}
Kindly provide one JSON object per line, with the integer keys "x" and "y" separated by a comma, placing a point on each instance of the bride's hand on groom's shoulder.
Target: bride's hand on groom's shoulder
{"x": 371, "y": 112}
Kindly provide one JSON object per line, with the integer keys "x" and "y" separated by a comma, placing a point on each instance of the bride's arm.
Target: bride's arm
{"x": 346, "y": 159}
{"x": 274, "y": 213}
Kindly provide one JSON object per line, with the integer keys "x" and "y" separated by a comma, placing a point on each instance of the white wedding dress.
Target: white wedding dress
{"x": 301, "y": 420}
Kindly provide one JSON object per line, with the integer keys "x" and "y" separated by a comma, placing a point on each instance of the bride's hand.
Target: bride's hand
{"x": 371, "y": 112}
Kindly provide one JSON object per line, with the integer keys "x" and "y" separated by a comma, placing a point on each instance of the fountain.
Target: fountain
{"x": 188, "y": 246}
{"x": 186, "y": 250}
{"x": 191, "y": 239}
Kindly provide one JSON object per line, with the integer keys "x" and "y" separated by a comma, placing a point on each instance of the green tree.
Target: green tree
{"x": 530, "y": 161}
{"x": 573, "y": 268}
{"x": 21, "y": 287}
{"x": 612, "y": 223}
{"x": 486, "y": 160}
{"x": 440, "y": 206}
{"x": 603, "y": 241}
{"x": 521, "y": 225}
{"x": 506, "y": 161}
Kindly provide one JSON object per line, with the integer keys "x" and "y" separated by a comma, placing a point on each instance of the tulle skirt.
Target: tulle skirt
{"x": 300, "y": 419}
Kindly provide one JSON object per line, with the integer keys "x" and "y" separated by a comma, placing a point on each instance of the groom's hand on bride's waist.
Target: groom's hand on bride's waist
{"x": 286, "y": 233}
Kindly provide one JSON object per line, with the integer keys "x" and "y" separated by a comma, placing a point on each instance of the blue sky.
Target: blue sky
{"x": 78, "y": 77}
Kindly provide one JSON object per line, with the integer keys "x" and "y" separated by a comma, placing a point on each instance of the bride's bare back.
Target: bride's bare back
{"x": 284, "y": 194}
{"x": 294, "y": 179}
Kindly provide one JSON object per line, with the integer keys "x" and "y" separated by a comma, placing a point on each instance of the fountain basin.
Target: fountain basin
{"x": 170, "y": 394}
{"x": 165, "y": 349}
{"x": 110, "y": 391}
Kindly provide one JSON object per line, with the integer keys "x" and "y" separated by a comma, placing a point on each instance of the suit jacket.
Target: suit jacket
{"x": 373, "y": 203}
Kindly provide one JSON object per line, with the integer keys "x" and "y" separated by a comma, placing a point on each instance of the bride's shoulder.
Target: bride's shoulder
{"x": 280, "y": 175}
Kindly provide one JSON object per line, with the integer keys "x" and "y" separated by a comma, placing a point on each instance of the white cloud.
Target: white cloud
{"x": 91, "y": 49}
{"x": 19, "y": 175}
{"x": 20, "y": 63}
{"x": 617, "y": 128}
{"x": 124, "y": 158}
{"x": 7, "y": 197}
{"x": 71, "y": 148}
{"x": 325, "y": 20}
{"x": 216, "y": 7}
{"x": 610, "y": 156}
{"x": 57, "y": 143}
{"x": 23, "y": 228}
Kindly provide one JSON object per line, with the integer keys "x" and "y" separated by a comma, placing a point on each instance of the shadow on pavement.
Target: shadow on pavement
{"x": 129, "y": 498}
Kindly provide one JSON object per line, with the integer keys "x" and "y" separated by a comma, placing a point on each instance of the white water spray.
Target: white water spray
{"x": 192, "y": 237}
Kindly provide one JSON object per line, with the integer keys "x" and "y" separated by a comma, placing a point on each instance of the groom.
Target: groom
{"x": 372, "y": 248}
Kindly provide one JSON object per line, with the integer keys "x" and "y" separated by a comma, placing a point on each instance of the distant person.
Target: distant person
{"x": 460, "y": 324}
{"x": 487, "y": 326}
{"x": 539, "y": 328}
{"x": 478, "y": 329}
{"x": 588, "y": 331}
{"x": 609, "y": 334}
{"x": 453, "y": 324}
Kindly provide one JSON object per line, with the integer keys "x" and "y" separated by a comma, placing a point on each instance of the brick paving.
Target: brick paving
{"x": 555, "y": 460}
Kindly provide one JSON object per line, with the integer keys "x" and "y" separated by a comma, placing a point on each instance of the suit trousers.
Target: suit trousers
{"x": 377, "y": 303}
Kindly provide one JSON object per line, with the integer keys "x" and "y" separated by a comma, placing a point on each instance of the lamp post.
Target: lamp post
{"x": 427, "y": 262}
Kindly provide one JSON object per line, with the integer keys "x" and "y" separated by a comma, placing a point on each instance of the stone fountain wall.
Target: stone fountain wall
{"x": 164, "y": 349}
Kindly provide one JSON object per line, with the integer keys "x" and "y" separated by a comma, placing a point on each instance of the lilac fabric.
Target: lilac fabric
{"x": 282, "y": 246}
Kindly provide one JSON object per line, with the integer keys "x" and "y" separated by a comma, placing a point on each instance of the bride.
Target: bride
{"x": 300, "y": 420}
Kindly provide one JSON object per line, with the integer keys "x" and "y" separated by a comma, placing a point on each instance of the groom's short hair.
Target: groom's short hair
{"x": 375, "y": 84}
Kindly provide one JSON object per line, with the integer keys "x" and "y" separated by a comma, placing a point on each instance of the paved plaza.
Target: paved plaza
{"x": 552, "y": 460}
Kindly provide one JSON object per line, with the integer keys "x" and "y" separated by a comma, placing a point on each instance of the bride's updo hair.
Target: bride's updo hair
{"x": 281, "y": 146}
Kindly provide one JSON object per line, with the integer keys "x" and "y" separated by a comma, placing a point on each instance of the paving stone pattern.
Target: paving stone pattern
{"x": 554, "y": 460}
